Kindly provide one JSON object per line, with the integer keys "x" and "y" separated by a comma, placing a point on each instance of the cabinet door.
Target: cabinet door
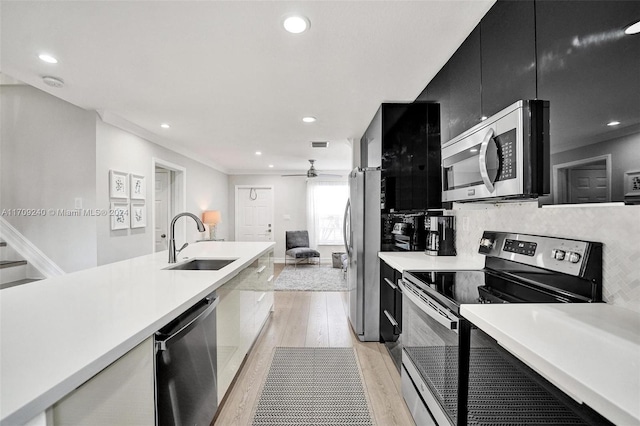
{"x": 229, "y": 336}
{"x": 389, "y": 331}
{"x": 508, "y": 55}
{"x": 465, "y": 110}
{"x": 589, "y": 71}
{"x": 121, "y": 394}
{"x": 438, "y": 91}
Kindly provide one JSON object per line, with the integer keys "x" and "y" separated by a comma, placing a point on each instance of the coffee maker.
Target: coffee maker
{"x": 441, "y": 237}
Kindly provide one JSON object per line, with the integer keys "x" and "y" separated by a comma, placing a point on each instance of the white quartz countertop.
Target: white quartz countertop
{"x": 57, "y": 333}
{"x": 591, "y": 351}
{"x": 408, "y": 260}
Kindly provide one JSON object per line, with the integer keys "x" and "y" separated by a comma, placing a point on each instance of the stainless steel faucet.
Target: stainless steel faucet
{"x": 172, "y": 241}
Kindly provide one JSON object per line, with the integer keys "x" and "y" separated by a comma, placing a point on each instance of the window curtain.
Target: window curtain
{"x": 326, "y": 201}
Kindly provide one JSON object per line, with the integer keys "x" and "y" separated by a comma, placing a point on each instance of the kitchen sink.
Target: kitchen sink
{"x": 202, "y": 264}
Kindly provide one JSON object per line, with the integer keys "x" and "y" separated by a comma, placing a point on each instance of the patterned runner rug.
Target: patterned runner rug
{"x": 311, "y": 278}
{"x": 313, "y": 386}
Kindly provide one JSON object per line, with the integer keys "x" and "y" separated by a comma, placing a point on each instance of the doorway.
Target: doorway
{"x": 168, "y": 192}
{"x": 583, "y": 181}
{"x": 254, "y": 213}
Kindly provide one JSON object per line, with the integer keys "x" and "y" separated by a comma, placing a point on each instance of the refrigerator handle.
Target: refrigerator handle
{"x": 344, "y": 227}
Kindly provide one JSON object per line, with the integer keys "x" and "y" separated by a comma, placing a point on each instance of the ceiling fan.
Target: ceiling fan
{"x": 312, "y": 172}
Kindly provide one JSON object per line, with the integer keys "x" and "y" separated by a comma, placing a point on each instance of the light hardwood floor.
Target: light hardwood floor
{"x": 311, "y": 319}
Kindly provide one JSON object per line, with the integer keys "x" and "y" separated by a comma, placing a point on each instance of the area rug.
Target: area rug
{"x": 313, "y": 386}
{"x": 311, "y": 278}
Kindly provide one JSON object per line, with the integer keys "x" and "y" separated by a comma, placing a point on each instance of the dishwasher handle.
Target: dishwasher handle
{"x": 163, "y": 341}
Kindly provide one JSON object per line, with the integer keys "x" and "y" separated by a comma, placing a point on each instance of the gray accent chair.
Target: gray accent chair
{"x": 297, "y": 247}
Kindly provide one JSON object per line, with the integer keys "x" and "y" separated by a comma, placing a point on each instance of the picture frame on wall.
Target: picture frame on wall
{"x": 119, "y": 215}
{"x": 632, "y": 184}
{"x": 138, "y": 187}
{"x": 138, "y": 215}
{"x": 118, "y": 184}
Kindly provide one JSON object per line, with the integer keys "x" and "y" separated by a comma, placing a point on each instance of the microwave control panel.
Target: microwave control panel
{"x": 506, "y": 144}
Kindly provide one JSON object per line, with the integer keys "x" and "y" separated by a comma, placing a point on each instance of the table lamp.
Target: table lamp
{"x": 211, "y": 218}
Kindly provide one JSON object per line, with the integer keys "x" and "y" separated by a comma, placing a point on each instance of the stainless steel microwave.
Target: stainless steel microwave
{"x": 505, "y": 156}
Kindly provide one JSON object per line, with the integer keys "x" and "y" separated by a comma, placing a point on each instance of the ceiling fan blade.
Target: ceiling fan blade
{"x": 300, "y": 174}
{"x": 329, "y": 175}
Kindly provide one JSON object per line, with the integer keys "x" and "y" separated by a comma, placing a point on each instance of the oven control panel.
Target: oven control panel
{"x": 567, "y": 256}
{"x": 526, "y": 248}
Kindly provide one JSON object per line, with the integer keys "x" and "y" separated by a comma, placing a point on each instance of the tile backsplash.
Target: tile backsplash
{"x": 617, "y": 227}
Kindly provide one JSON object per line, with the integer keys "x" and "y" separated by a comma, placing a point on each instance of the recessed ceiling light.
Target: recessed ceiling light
{"x": 296, "y": 24}
{"x": 165, "y": 126}
{"x": 271, "y": 166}
{"x": 484, "y": 117}
{"x": 47, "y": 58}
{"x": 258, "y": 153}
{"x": 613, "y": 123}
{"x": 633, "y": 28}
{"x": 309, "y": 119}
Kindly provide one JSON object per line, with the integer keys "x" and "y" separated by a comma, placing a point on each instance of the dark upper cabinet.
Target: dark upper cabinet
{"x": 508, "y": 51}
{"x": 405, "y": 139}
{"x": 438, "y": 91}
{"x": 464, "y": 68}
{"x": 589, "y": 70}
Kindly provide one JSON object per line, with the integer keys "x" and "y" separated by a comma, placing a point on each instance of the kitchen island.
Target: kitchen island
{"x": 58, "y": 333}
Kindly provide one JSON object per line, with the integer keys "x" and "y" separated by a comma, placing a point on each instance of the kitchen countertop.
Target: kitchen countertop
{"x": 591, "y": 351}
{"x": 59, "y": 332}
{"x": 408, "y": 260}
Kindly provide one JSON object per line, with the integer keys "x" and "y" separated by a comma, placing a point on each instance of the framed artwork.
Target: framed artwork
{"x": 119, "y": 215}
{"x": 118, "y": 187}
{"x": 632, "y": 184}
{"x": 138, "y": 187}
{"x": 138, "y": 215}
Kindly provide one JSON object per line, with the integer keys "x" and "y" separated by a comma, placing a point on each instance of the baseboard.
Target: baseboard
{"x": 29, "y": 252}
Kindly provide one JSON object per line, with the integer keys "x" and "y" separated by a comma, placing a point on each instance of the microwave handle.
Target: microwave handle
{"x": 482, "y": 158}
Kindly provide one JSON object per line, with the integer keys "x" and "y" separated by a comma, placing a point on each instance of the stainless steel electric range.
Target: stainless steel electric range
{"x": 452, "y": 372}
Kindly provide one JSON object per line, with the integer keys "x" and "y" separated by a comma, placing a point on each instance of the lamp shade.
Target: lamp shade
{"x": 211, "y": 217}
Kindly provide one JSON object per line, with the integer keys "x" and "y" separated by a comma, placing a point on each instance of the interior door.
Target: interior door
{"x": 163, "y": 194}
{"x": 588, "y": 186}
{"x": 254, "y": 214}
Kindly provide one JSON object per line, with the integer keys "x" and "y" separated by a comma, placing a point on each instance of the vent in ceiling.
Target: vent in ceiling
{"x": 323, "y": 144}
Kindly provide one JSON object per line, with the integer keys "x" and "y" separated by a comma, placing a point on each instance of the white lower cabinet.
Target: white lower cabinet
{"x": 245, "y": 304}
{"x": 121, "y": 394}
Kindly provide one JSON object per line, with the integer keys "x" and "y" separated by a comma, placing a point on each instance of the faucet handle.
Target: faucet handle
{"x": 181, "y": 248}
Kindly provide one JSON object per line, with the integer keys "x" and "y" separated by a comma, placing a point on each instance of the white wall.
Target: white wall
{"x": 207, "y": 189}
{"x": 47, "y": 160}
{"x": 290, "y": 199}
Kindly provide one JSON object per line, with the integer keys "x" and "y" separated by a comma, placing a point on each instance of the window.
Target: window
{"x": 326, "y": 201}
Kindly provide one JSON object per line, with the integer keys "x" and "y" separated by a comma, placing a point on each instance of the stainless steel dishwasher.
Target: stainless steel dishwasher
{"x": 186, "y": 380}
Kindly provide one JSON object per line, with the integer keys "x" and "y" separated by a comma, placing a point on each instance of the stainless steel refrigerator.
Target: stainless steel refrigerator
{"x": 362, "y": 244}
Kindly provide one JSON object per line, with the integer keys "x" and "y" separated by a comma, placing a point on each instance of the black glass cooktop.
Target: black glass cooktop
{"x": 453, "y": 288}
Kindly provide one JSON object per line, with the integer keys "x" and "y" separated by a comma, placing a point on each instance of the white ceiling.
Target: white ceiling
{"x": 226, "y": 75}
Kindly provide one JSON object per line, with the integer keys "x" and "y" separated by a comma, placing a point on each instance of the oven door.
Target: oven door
{"x": 504, "y": 390}
{"x": 430, "y": 342}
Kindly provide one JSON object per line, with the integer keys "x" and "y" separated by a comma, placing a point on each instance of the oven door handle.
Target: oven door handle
{"x": 482, "y": 158}
{"x": 430, "y": 308}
